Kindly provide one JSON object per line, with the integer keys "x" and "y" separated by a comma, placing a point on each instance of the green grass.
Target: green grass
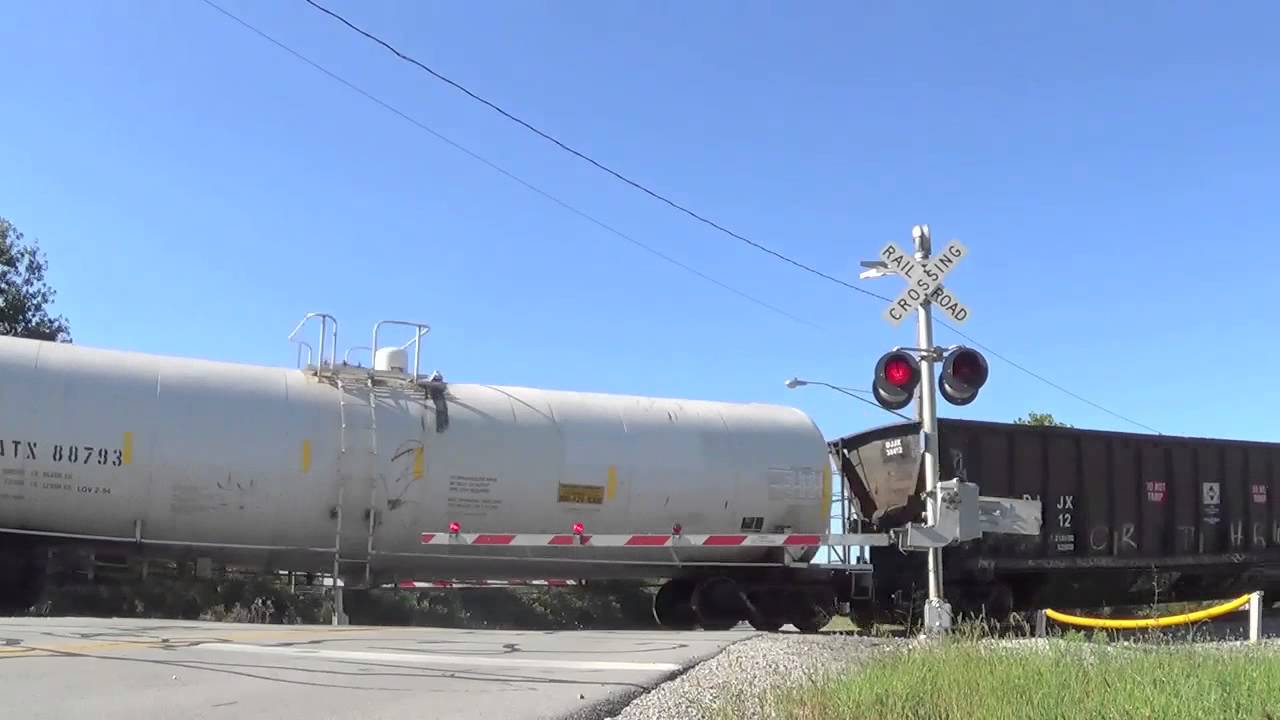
{"x": 1053, "y": 679}
{"x": 840, "y": 623}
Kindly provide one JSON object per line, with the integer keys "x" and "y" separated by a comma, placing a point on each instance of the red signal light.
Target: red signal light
{"x": 579, "y": 528}
{"x": 455, "y": 527}
{"x": 897, "y": 374}
{"x": 897, "y": 371}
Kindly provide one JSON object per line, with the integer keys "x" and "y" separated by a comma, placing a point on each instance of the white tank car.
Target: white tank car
{"x": 278, "y": 467}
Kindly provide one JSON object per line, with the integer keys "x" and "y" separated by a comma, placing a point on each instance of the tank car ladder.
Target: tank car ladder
{"x": 354, "y": 382}
{"x": 353, "y": 379}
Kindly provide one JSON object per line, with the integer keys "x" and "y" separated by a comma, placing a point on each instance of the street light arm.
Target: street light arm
{"x": 794, "y": 383}
{"x": 872, "y": 404}
{"x": 839, "y": 388}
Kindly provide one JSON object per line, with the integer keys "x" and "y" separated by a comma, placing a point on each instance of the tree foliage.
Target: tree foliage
{"x": 25, "y": 297}
{"x": 1041, "y": 419}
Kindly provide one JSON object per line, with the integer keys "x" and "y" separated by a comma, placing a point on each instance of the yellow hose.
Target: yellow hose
{"x": 1166, "y": 621}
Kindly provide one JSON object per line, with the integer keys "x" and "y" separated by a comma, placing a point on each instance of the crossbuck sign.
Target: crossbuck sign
{"x": 924, "y": 280}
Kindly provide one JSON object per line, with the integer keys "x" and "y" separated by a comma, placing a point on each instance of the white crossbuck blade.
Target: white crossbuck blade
{"x": 924, "y": 280}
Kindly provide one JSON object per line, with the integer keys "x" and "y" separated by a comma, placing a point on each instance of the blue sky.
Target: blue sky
{"x": 1112, "y": 168}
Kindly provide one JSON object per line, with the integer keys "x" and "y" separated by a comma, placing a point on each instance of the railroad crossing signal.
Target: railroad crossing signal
{"x": 964, "y": 372}
{"x": 897, "y": 375}
{"x": 924, "y": 280}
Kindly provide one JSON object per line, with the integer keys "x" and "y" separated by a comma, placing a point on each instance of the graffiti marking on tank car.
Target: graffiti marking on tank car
{"x": 403, "y": 475}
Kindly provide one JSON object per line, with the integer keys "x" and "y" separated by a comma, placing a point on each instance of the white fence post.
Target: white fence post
{"x": 1255, "y": 616}
{"x": 1042, "y": 624}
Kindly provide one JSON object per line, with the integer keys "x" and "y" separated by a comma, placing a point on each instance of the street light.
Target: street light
{"x": 875, "y": 269}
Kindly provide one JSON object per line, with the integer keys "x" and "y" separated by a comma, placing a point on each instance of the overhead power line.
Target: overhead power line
{"x": 512, "y": 176}
{"x": 687, "y": 211}
{"x": 582, "y": 156}
{"x": 678, "y": 206}
{"x": 1045, "y": 380}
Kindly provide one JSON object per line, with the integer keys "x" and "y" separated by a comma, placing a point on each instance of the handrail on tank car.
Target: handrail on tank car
{"x": 421, "y": 329}
{"x": 303, "y": 344}
{"x": 346, "y": 356}
{"x": 1166, "y": 621}
{"x": 325, "y": 319}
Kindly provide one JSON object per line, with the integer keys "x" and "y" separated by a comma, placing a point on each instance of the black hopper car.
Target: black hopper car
{"x": 1128, "y": 519}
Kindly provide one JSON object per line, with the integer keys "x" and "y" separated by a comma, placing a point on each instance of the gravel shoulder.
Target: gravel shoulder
{"x": 732, "y": 683}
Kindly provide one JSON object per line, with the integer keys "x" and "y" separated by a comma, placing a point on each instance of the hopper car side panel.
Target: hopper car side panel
{"x": 1128, "y": 518}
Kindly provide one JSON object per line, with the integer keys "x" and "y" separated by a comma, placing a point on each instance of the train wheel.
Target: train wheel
{"x": 718, "y": 604}
{"x": 998, "y": 605}
{"x": 672, "y": 606}
{"x": 863, "y": 615}
{"x": 766, "y": 624}
{"x": 22, "y": 578}
{"x": 810, "y": 610}
{"x": 766, "y": 611}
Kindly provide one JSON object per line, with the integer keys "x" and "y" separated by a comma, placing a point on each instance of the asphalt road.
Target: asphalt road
{"x": 141, "y": 669}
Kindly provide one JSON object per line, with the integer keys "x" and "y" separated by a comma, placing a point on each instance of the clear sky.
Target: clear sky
{"x": 1112, "y": 168}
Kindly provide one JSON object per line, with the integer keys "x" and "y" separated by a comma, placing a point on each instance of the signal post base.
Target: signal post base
{"x": 937, "y": 617}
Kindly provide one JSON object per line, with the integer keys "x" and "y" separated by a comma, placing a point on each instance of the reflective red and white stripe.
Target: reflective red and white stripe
{"x": 653, "y": 541}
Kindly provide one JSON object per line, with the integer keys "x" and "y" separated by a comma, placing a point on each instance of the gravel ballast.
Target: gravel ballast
{"x": 737, "y": 678}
